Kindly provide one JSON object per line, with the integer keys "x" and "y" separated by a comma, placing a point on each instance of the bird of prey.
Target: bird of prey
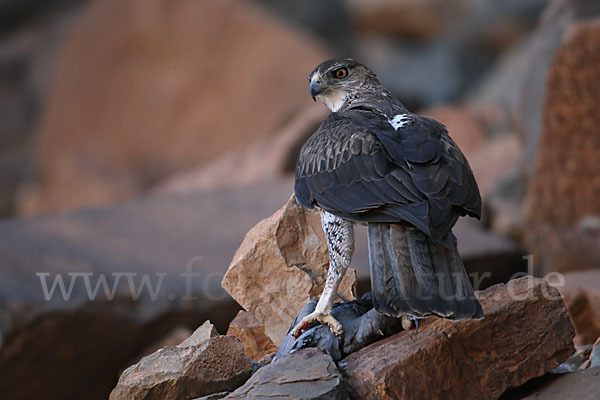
{"x": 372, "y": 161}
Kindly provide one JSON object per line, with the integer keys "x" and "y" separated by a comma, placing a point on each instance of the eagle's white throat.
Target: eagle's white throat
{"x": 333, "y": 99}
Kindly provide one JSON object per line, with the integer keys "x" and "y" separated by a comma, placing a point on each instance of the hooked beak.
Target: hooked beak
{"x": 315, "y": 87}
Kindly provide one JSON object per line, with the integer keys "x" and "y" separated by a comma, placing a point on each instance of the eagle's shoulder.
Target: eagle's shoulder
{"x": 340, "y": 136}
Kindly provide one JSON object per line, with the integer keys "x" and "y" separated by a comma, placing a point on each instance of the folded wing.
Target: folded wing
{"x": 358, "y": 166}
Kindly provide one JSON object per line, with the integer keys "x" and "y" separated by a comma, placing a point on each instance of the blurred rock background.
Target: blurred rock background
{"x": 144, "y": 136}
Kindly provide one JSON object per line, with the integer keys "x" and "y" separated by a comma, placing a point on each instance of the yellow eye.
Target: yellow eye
{"x": 341, "y": 73}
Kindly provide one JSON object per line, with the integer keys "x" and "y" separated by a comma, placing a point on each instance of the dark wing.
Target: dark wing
{"x": 357, "y": 166}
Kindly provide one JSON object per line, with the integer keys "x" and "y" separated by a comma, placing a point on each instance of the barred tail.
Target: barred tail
{"x": 412, "y": 274}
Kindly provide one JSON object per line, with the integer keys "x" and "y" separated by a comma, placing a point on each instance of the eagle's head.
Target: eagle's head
{"x": 333, "y": 80}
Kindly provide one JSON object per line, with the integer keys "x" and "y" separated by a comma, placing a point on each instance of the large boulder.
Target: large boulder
{"x": 266, "y": 159}
{"x": 163, "y": 89}
{"x": 518, "y": 83}
{"x": 203, "y": 364}
{"x": 526, "y": 332}
{"x": 280, "y": 266}
{"x": 562, "y": 202}
{"x": 518, "y": 86}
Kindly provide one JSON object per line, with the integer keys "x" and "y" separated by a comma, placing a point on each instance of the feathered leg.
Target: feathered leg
{"x": 340, "y": 241}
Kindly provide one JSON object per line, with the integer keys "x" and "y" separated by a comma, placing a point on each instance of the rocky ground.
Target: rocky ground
{"x": 141, "y": 143}
{"x": 526, "y": 332}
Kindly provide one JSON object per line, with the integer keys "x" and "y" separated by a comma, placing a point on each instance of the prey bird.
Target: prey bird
{"x": 372, "y": 161}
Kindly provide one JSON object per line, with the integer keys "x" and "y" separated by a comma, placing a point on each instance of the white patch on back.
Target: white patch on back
{"x": 400, "y": 121}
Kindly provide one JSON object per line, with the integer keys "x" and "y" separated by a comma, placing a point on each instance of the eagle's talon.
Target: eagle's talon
{"x": 323, "y": 318}
{"x": 408, "y": 322}
{"x": 301, "y": 327}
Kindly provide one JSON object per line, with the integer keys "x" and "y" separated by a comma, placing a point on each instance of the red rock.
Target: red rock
{"x": 266, "y": 159}
{"x": 565, "y": 186}
{"x": 526, "y": 332}
{"x": 489, "y": 158}
{"x": 252, "y": 335}
{"x": 463, "y": 125}
{"x": 162, "y": 90}
{"x": 581, "y": 293}
{"x": 281, "y": 264}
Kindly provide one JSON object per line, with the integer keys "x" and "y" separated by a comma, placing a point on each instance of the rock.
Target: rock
{"x": 493, "y": 161}
{"x": 266, "y": 159}
{"x": 179, "y": 336}
{"x": 489, "y": 258}
{"x": 306, "y": 374}
{"x": 570, "y": 107}
{"x": 560, "y": 248}
{"x": 581, "y": 293}
{"x": 32, "y": 35}
{"x": 215, "y": 396}
{"x": 526, "y": 332}
{"x": 463, "y": 125}
{"x": 518, "y": 82}
{"x": 158, "y": 97}
{"x": 595, "y": 355}
{"x": 329, "y": 20}
{"x": 517, "y": 85}
{"x": 267, "y": 359}
{"x": 252, "y": 335}
{"x": 151, "y": 238}
{"x": 428, "y": 20}
{"x": 281, "y": 264}
{"x": 428, "y": 52}
{"x": 69, "y": 346}
{"x": 191, "y": 369}
{"x": 564, "y": 188}
{"x": 503, "y": 210}
{"x": 415, "y": 19}
{"x": 581, "y": 385}
{"x": 490, "y": 158}
{"x": 203, "y": 333}
{"x": 579, "y": 360}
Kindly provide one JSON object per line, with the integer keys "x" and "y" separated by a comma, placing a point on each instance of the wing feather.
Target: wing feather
{"x": 357, "y": 166}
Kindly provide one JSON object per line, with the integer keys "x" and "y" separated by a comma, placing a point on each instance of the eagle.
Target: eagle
{"x": 374, "y": 162}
